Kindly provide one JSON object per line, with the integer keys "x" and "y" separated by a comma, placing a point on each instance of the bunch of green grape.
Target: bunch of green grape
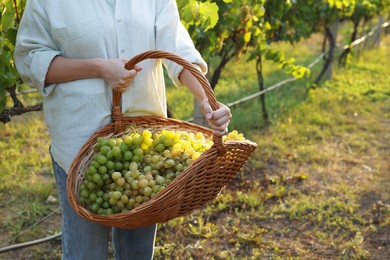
{"x": 129, "y": 170}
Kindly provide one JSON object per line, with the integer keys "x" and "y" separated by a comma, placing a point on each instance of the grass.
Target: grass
{"x": 317, "y": 187}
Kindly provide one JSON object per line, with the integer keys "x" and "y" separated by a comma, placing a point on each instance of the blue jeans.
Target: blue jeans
{"x": 82, "y": 239}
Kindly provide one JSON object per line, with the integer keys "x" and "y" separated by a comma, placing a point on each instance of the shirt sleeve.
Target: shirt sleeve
{"x": 35, "y": 48}
{"x": 172, "y": 36}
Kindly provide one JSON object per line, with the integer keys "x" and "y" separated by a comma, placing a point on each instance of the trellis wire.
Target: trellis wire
{"x": 365, "y": 37}
{"x": 275, "y": 86}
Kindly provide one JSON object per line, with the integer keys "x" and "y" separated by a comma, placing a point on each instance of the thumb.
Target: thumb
{"x": 137, "y": 68}
{"x": 207, "y": 110}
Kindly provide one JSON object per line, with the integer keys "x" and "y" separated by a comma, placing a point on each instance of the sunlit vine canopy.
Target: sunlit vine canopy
{"x": 222, "y": 29}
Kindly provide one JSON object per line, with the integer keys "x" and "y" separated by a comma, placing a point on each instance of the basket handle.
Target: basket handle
{"x": 157, "y": 54}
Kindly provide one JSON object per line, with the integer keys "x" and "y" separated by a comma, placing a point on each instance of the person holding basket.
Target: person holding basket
{"x": 73, "y": 53}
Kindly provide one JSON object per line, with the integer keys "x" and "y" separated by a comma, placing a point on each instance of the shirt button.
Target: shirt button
{"x": 123, "y": 51}
{"x": 119, "y": 20}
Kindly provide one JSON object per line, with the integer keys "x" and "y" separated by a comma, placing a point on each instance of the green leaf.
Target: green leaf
{"x": 2, "y": 98}
{"x": 7, "y": 16}
{"x": 300, "y": 72}
{"x": 10, "y": 34}
{"x": 203, "y": 14}
{"x": 209, "y": 14}
{"x": 247, "y": 37}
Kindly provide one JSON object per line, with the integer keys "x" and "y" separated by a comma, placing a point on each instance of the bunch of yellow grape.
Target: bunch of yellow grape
{"x": 234, "y": 136}
{"x": 130, "y": 170}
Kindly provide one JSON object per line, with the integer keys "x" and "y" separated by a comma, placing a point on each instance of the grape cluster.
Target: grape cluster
{"x": 234, "y": 136}
{"x": 129, "y": 170}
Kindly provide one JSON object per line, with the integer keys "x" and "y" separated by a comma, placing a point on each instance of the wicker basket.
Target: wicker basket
{"x": 197, "y": 185}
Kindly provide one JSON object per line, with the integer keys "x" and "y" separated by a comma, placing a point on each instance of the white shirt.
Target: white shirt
{"x": 98, "y": 29}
